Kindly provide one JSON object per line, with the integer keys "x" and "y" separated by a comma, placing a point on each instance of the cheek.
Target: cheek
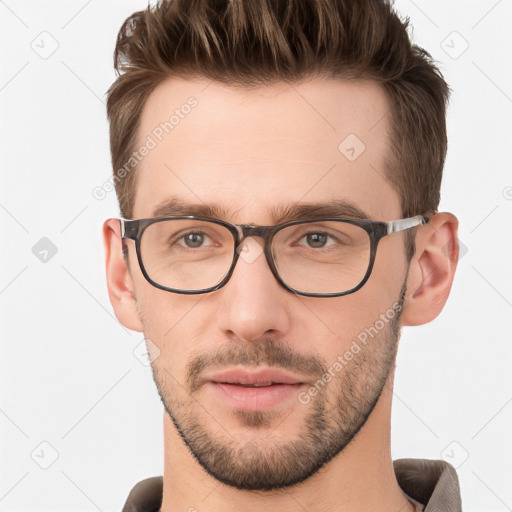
{"x": 344, "y": 317}
{"x": 328, "y": 326}
{"x": 390, "y": 266}
{"x": 164, "y": 318}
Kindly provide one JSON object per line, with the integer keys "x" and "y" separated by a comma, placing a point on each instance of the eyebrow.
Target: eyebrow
{"x": 341, "y": 208}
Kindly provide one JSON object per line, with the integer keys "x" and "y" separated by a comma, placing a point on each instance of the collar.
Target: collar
{"x": 434, "y": 483}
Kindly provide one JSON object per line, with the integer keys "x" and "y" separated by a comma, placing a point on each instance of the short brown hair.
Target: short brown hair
{"x": 246, "y": 43}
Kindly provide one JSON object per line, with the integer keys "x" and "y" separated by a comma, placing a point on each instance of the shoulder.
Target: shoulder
{"x": 145, "y": 496}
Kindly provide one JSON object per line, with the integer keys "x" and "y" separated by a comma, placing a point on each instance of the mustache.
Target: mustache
{"x": 266, "y": 352}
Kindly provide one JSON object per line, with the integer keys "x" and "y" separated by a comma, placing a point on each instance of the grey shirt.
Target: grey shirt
{"x": 432, "y": 484}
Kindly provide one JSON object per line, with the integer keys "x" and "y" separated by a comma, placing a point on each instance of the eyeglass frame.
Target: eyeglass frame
{"x": 133, "y": 229}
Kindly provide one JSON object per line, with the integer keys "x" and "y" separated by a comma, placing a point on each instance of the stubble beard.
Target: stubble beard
{"x": 337, "y": 413}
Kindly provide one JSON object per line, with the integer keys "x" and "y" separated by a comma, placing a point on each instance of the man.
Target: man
{"x": 262, "y": 151}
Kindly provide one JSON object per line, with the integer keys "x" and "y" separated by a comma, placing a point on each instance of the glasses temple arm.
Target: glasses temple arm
{"x": 402, "y": 224}
{"x": 123, "y": 227}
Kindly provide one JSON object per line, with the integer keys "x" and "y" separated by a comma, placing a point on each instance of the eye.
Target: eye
{"x": 317, "y": 239}
{"x": 193, "y": 239}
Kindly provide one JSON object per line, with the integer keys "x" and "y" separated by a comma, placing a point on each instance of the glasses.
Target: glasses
{"x": 315, "y": 258}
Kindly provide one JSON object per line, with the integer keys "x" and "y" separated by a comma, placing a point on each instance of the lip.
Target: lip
{"x": 230, "y": 386}
{"x": 260, "y": 376}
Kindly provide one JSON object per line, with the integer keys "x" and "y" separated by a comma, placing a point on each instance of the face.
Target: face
{"x": 248, "y": 155}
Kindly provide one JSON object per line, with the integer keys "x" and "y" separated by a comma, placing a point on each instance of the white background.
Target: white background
{"x": 68, "y": 374}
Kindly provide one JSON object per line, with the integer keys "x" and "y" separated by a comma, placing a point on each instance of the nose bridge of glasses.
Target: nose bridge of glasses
{"x": 248, "y": 251}
{"x": 248, "y": 230}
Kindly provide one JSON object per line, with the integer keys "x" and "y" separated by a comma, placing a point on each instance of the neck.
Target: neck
{"x": 360, "y": 478}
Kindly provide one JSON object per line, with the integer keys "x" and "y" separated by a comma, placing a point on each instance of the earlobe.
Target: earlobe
{"x": 119, "y": 280}
{"x": 431, "y": 270}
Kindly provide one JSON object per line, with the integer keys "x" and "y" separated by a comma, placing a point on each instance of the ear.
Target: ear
{"x": 119, "y": 280}
{"x": 432, "y": 269}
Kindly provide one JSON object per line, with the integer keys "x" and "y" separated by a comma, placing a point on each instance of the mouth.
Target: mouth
{"x": 256, "y": 390}
{"x": 259, "y": 385}
{"x": 262, "y": 377}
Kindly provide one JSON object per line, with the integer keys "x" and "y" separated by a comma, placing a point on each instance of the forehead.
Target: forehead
{"x": 254, "y": 150}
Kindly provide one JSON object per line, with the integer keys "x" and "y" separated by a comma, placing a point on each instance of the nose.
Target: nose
{"x": 254, "y": 304}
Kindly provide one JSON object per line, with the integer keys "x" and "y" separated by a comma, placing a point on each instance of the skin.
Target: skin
{"x": 249, "y": 151}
